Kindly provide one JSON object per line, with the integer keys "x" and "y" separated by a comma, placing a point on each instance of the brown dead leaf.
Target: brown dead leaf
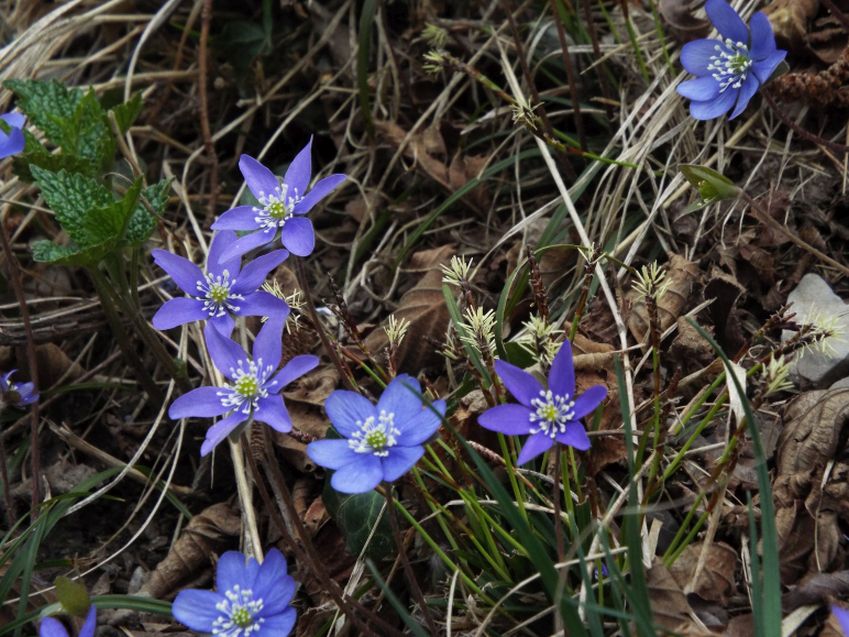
{"x": 424, "y": 307}
{"x": 210, "y": 531}
{"x": 670, "y": 608}
{"x": 314, "y": 388}
{"x": 715, "y": 581}
{"x": 605, "y": 450}
{"x": 790, "y": 18}
{"x": 828, "y": 39}
{"x": 813, "y": 422}
{"x": 679, "y": 15}
{"x": 682, "y": 276}
{"x": 818, "y": 588}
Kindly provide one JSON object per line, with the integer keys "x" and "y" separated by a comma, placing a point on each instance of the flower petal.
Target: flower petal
{"x": 185, "y": 273}
{"x": 273, "y": 585}
{"x": 763, "y": 69}
{"x": 224, "y": 324}
{"x": 220, "y": 430}
{"x": 11, "y": 143}
{"x": 298, "y": 237}
{"x": 399, "y": 461}
{"x": 214, "y": 263}
{"x": 561, "y": 378}
{"x": 712, "y": 109}
{"x": 278, "y": 625}
{"x": 225, "y": 353}
{"x": 255, "y": 272}
{"x": 203, "y": 402}
{"x": 234, "y": 570}
{"x": 195, "y": 608}
{"x": 14, "y": 119}
{"x": 345, "y": 408}
{"x": 332, "y": 453}
{"x": 245, "y": 244}
{"x": 295, "y": 368}
{"x": 179, "y": 311}
{"x": 535, "y": 445}
{"x": 727, "y": 21}
{"x": 259, "y": 179}
{"x": 700, "y": 89}
{"x": 321, "y": 189}
{"x": 262, "y": 304}
{"x": 401, "y": 397}
{"x": 510, "y": 419}
{"x": 422, "y": 426}
{"x": 842, "y": 616}
{"x": 574, "y": 436}
{"x": 763, "y": 39}
{"x": 696, "y": 55}
{"x": 238, "y": 218}
{"x": 358, "y": 477}
{"x": 297, "y": 178}
{"x": 27, "y": 394}
{"x": 268, "y": 344}
{"x": 51, "y": 627}
{"x": 518, "y": 382}
{"x": 272, "y": 411}
{"x": 90, "y": 623}
{"x": 746, "y": 92}
{"x": 587, "y": 402}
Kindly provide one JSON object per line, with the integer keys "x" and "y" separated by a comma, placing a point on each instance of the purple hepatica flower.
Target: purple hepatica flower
{"x": 255, "y": 384}
{"x": 548, "y": 415}
{"x": 282, "y": 206}
{"x": 17, "y": 394}
{"x": 380, "y": 443}
{"x": 52, "y": 627}
{"x": 12, "y": 143}
{"x": 842, "y": 616}
{"x": 251, "y": 599}
{"x": 728, "y": 71}
{"x": 224, "y": 291}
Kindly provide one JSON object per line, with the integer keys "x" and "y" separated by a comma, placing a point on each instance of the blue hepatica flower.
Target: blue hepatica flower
{"x": 731, "y": 70}
{"x": 254, "y": 384}
{"x": 17, "y": 394}
{"x": 547, "y": 415}
{"x": 251, "y": 599}
{"x": 282, "y": 206}
{"x": 380, "y": 443}
{"x": 842, "y": 616}
{"x": 225, "y": 290}
{"x": 12, "y": 143}
{"x": 52, "y": 627}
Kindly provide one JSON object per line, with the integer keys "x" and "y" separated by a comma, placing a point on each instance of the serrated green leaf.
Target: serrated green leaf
{"x": 47, "y": 103}
{"x": 87, "y": 133}
{"x": 72, "y": 196}
{"x": 45, "y": 251}
{"x": 356, "y": 516}
{"x": 126, "y": 113}
{"x": 142, "y": 222}
{"x": 36, "y": 154}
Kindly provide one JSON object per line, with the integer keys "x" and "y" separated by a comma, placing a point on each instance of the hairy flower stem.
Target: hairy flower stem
{"x": 415, "y": 589}
{"x": 253, "y": 540}
{"x": 13, "y": 267}
{"x": 101, "y": 285}
{"x": 303, "y": 282}
{"x": 309, "y": 556}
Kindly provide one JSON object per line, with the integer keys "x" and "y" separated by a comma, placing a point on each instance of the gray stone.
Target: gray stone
{"x": 813, "y": 300}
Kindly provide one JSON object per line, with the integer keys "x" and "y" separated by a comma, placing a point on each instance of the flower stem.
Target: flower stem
{"x": 253, "y": 543}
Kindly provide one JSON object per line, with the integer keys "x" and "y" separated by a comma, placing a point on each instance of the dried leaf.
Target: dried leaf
{"x": 813, "y": 423}
{"x": 210, "y": 531}
{"x": 790, "y": 18}
{"x": 670, "y": 608}
{"x": 679, "y": 15}
{"x": 715, "y": 580}
{"x": 682, "y": 276}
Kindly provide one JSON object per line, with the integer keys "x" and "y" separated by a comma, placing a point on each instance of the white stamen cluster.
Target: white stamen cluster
{"x": 376, "y": 436}
{"x": 277, "y": 207}
{"x": 248, "y": 385}
{"x": 730, "y": 65}
{"x": 551, "y": 413}
{"x": 238, "y": 613}
{"x": 214, "y": 291}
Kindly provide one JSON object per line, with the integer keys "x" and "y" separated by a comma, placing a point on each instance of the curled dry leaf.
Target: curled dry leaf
{"x": 682, "y": 276}
{"x": 210, "y": 531}
{"x": 681, "y": 18}
{"x": 715, "y": 581}
{"x": 670, "y": 608}
{"x": 424, "y": 307}
{"x": 812, "y": 425}
{"x": 314, "y": 388}
{"x": 790, "y": 18}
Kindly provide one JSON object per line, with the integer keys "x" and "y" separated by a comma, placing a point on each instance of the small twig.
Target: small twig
{"x": 206, "y": 131}
{"x": 32, "y": 362}
{"x": 801, "y": 132}
{"x": 415, "y": 589}
{"x": 570, "y": 74}
{"x": 245, "y": 499}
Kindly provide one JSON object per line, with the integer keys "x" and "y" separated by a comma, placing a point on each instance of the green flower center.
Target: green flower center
{"x": 376, "y": 435}
{"x": 376, "y": 440}
{"x": 218, "y": 293}
{"x": 241, "y": 617}
{"x": 247, "y": 386}
{"x": 277, "y": 210}
{"x": 739, "y": 63}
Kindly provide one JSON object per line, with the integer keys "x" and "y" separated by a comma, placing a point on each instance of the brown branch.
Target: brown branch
{"x": 206, "y": 19}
